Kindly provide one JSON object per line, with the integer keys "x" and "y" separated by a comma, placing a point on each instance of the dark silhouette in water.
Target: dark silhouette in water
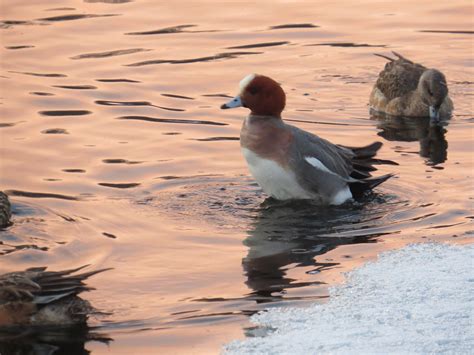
{"x": 296, "y": 232}
{"x": 49, "y": 341}
{"x": 431, "y": 135}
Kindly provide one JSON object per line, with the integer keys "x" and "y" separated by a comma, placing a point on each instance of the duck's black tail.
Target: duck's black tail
{"x": 360, "y": 187}
{"x": 363, "y": 161}
{"x": 365, "y": 152}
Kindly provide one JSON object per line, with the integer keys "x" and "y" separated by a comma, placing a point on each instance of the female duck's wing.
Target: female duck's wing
{"x": 41, "y": 287}
{"x": 399, "y": 77}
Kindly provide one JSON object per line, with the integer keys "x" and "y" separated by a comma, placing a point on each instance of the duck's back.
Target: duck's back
{"x": 399, "y": 77}
{"x": 40, "y": 297}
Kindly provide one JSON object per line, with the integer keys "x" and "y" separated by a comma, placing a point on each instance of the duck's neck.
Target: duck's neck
{"x": 254, "y": 117}
{"x": 266, "y": 136}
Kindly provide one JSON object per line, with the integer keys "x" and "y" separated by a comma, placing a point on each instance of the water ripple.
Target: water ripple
{"x": 121, "y": 161}
{"x": 174, "y": 96}
{"x": 448, "y": 32}
{"x": 346, "y": 44}
{"x": 19, "y": 47}
{"x": 127, "y": 185}
{"x": 80, "y": 171}
{"x": 55, "y": 131}
{"x": 76, "y": 87}
{"x": 227, "y": 55}
{"x": 214, "y": 139}
{"x": 9, "y": 23}
{"x": 39, "y": 93}
{"x": 7, "y": 124}
{"x": 110, "y": 53}
{"x": 40, "y": 195}
{"x": 65, "y": 113}
{"x": 260, "y": 45}
{"x": 73, "y": 17}
{"x": 293, "y": 25}
{"x": 46, "y": 75}
{"x": 136, "y": 103}
{"x": 120, "y": 80}
{"x": 170, "y": 120}
{"x": 166, "y": 30}
{"x": 109, "y": 1}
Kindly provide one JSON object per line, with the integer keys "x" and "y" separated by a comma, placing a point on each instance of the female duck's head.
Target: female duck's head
{"x": 433, "y": 89}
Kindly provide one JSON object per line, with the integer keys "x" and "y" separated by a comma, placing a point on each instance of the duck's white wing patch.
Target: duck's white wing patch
{"x": 342, "y": 195}
{"x": 245, "y": 81}
{"x": 318, "y": 164}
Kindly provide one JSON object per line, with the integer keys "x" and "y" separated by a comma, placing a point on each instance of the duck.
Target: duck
{"x": 292, "y": 164}
{"x": 37, "y": 297}
{"x": 406, "y": 88}
{"x": 5, "y": 210}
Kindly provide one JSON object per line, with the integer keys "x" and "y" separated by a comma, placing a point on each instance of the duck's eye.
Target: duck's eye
{"x": 429, "y": 91}
{"x": 252, "y": 90}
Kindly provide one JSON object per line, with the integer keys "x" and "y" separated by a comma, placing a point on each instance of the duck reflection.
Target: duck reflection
{"x": 431, "y": 135}
{"x": 48, "y": 341}
{"x": 293, "y": 233}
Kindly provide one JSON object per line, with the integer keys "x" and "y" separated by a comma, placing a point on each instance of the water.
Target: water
{"x": 115, "y": 154}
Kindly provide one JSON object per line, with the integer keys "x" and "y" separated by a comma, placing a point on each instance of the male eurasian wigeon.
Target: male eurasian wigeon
{"x": 405, "y": 88}
{"x": 289, "y": 163}
{"x": 39, "y": 297}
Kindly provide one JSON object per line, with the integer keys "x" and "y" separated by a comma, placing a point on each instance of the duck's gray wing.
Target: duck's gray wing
{"x": 399, "y": 77}
{"x": 335, "y": 158}
{"x": 326, "y": 168}
{"x": 319, "y": 165}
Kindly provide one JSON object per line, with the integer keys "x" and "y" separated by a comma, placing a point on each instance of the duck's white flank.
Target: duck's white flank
{"x": 273, "y": 179}
{"x": 245, "y": 81}
{"x": 344, "y": 194}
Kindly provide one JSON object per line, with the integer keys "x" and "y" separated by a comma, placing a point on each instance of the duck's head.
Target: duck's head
{"x": 261, "y": 94}
{"x": 434, "y": 89}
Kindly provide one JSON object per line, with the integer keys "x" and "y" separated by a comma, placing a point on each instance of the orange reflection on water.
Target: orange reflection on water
{"x": 116, "y": 154}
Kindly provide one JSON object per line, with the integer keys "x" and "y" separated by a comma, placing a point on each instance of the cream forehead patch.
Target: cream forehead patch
{"x": 245, "y": 81}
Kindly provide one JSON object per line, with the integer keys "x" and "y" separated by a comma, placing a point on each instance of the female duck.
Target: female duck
{"x": 39, "y": 297}
{"x": 405, "y": 88}
{"x": 289, "y": 163}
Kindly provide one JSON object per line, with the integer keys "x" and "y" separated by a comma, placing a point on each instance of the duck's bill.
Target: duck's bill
{"x": 434, "y": 113}
{"x": 235, "y": 102}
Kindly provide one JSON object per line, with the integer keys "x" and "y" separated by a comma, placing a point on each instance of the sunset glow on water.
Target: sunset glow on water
{"x": 115, "y": 153}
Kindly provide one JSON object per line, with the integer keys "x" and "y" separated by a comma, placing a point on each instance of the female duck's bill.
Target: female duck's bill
{"x": 289, "y": 163}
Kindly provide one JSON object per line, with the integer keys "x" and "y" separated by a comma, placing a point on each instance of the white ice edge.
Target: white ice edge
{"x": 416, "y": 300}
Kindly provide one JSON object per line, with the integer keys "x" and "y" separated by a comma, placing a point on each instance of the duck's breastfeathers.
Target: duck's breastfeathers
{"x": 265, "y": 144}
